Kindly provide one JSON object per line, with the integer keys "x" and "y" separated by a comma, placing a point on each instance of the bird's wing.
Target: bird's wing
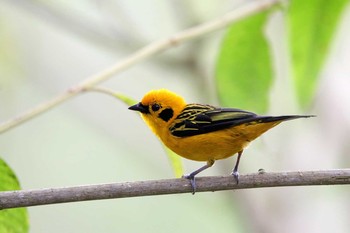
{"x": 199, "y": 119}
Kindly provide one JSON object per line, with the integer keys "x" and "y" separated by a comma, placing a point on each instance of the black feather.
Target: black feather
{"x": 198, "y": 119}
{"x": 166, "y": 114}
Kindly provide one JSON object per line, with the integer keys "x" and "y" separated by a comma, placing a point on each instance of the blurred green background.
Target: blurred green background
{"x": 48, "y": 46}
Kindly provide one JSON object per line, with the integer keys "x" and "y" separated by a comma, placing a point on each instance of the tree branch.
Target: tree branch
{"x": 140, "y": 55}
{"x": 25, "y": 198}
{"x": 101, "y": 34}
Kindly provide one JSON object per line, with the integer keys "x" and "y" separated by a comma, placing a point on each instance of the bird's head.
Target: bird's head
{"x": 159, "y": 108}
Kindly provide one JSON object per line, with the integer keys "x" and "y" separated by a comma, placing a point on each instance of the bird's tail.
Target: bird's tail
{"x": 266, "y": 119}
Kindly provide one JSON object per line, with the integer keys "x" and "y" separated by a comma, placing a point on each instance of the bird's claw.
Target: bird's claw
{"x": 236, "y": 176}
{"x": 192, "y": 181}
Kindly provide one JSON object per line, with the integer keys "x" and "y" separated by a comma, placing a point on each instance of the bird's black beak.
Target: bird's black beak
{"x": 139, "y": 107}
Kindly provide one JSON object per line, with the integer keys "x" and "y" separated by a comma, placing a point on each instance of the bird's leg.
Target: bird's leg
{"x": 235, "y": 169}
{"x": 192, "y": 178}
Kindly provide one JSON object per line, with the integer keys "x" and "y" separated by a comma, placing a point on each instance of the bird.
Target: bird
{"x": 203, "y": 132}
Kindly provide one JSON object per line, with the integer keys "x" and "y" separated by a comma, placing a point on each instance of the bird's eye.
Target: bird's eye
{"x": 155, "y": 107}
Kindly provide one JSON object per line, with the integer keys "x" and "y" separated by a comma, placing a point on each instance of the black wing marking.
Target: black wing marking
{"x": 199, "y": 119}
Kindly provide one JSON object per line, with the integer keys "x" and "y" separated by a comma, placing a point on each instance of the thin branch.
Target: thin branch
{"x": 25, "y": 198}
{"x": 99, "y": 33}
{"x": 146, "y": 52}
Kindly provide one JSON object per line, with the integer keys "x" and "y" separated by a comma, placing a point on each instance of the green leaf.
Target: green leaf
{"x": 127, "y": 100}
{"x": 174, "y": 159}
{"x": 244, "y": 71}
{"x": 312, "y": 24}
{"x": 11, "y": 220}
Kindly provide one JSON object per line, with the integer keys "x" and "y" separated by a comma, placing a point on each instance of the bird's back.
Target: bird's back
{"x": 204, "y": 132}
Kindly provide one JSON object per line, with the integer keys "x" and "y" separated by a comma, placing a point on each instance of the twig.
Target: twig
{"x": 142, "y": 54}
{"x": 25, "y": 198}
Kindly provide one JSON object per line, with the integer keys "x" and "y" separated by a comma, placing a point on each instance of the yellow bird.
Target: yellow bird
{"x": 203, "y": 132}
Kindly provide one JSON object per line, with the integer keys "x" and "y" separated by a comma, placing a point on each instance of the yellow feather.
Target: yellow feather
{"x": 202, "y": 132}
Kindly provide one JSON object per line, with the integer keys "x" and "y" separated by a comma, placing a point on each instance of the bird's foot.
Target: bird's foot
{"x": 236, "y": 176}
{"x": 192, "y": 181}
